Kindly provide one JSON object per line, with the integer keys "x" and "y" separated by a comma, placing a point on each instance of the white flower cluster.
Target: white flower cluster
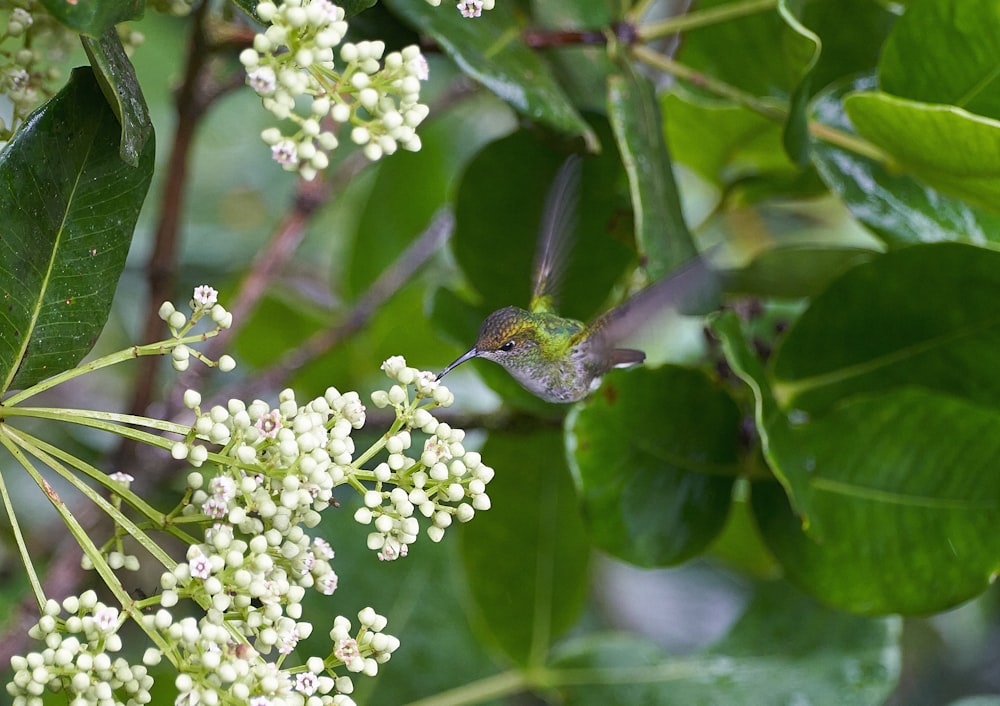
{"x": 293, "y": 62}
{"x": 444, "y": 482}
{"x": 203, "y": 302}
{"x": 212, "y": 666}
{"x": 77, "y": 657}
{"x": 469, "y": 8}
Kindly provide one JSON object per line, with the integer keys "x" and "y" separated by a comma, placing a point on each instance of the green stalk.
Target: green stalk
{"x": 698, "y": 18}
{"x": 117, "y": 516}
{"x": 89, "y": 417}
{"x": 158, "y": 348}
{"x": 22, "y": 547}
{"x": 764, "y": 108}
{"x": 493, "y": 687}
{"x": 106, "y": 573}
{"x": 157, "y": 520}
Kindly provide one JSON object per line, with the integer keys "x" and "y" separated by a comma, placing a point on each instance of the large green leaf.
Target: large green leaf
{"x": 945, "y": 52}
{"x": 661, "y": 234}
{"x": 899, "y": 208}
{"x": 70, "y": 205}
{"x": 654, "y": 453}
{"x": 924, "y": 315}
{"x": 526, "y": 559}
{"x": 947, "y": 147}
{"x": 900, "y": 495}
{"x": 498, "y": 214}
{"x": 785, "y": 649}
{"x": 94, "y": 18}
{"x": 490, "y": 50}
{"x": 893, "y": 490}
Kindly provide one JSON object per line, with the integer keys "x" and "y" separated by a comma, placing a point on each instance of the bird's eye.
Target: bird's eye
{"x": 508, "y": 346}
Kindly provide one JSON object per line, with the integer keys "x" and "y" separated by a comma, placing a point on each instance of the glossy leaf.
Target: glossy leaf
{"x": 897, "y": 207}
{"x": 889, "y": 493}
{"x": 94, "y": 18}
{"x": 769, "y": 53}
{"x": 785, "y": 649}
{"x": 70, "y": 206}
{"x": 661, "y": 234}
{"x": 118, "y": 82}
{"x": 899, "y": 494}
{"x": 947, "y": 147}
{"x": 924, "y": 315}
{"x": 945, "y": 52}
{"x": 654, "y": 454}
{"x": 493, "y": 53}
{"x": 526, "y": 559}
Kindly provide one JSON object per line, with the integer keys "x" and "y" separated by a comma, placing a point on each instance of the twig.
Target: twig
{"x": 387, "y": 284}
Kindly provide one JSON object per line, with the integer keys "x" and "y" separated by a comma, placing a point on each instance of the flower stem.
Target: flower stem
{"x": 22, "y": 548}
{"x": 699, "y": 18}
{"x": 493, "y": 687}
{"x": 158, "y": 348}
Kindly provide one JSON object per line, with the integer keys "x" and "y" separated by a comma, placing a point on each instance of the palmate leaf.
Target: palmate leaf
{"x": 70, "y": 205}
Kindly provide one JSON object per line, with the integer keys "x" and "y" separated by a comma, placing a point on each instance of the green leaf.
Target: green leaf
{"x": 654, "y": 453}
{"x": 723, "y": 143}
{"x": 492, "y": 52}
{"x": 900, "y": 209}
{"x": 947, "y": 147}
{"x": 661, "y": 234}
{"x": 526, "y": 559}
{"x": 794, "y": 271}
{"x": 785, "y": 649}
{"x": 848, "y": 47}
{"x": 497, "y": 222}
{"x": 802, "y": 49}
{"x": 120, "y": 86}
{"x": 889, "y": 494}
{"x": 945, "y": 52}
{"x": 924, "y": 315}
{"x": 70, "y": 207}
{"x": 899, "y": 494}
{"x": 94, "y": 18}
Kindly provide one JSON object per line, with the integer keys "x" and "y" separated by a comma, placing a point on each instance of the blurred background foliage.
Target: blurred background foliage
{"x": 793, "y": 502}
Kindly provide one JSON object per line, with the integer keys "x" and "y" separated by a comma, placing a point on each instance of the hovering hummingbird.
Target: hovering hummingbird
{"x": 560, "y": 359}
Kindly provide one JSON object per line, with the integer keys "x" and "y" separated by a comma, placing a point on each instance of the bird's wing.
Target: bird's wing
{"x": 694, "y": 288}
{"x": 555, "y": 235}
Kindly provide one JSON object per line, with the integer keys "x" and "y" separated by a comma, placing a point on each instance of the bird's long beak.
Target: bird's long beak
{"x": 471, "y": 353}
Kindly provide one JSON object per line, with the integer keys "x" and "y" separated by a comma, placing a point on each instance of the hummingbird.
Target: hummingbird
{"x": 560, "y": 359}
